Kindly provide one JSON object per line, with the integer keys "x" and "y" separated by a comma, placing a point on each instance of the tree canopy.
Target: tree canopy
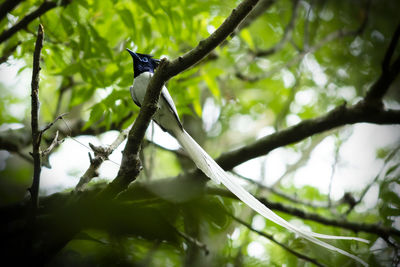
{"x": 249, "y": 78}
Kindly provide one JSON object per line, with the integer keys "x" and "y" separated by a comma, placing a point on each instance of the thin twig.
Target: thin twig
{"x": 366, "y": 189}
{"x": 259, "y": 9}
{"x": 24, "y": 156}
{"x": 304, "y": 158}
{"x": 306, "y": 26}
{"x": 53, "y": 144}
{"x": 390, "y": 51}
{"x": 341, "y": 33}
{"x": 63, "y": 88}
{"x": 48, "y": 126}
{"x": 34, "y": 190}
{"x": 375, "y": 229}
{"x": 286, "y": 34}
{"x": 194, "y": 241}
{"x": 286, "y": 106}
{"x": 329, "y": 38}
{"x": 272, "y": 239}
{"x": 101, "y": 154}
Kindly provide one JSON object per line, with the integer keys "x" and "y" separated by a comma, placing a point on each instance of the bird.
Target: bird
{"x": 167, "y": 118}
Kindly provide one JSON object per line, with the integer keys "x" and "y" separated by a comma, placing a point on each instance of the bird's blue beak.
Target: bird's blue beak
{"x": 133, "y": 54}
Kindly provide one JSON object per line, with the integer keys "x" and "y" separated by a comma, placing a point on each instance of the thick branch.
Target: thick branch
{"x": 130, "y": 165}
{"x": 43, "y": 8}
{"x": 34, "y": 190}
{"x": 340, "y": 116}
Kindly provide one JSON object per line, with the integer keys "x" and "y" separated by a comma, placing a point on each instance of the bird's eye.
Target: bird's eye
{"x": 145, "y": 59}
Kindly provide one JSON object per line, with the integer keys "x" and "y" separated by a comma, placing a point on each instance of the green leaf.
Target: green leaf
{"x": 245, "y": 34}
{"x": 127, "y": 19}
{"x": 71, "y": 69}
{"x": 67, "y": 25}
{"x": 212, "y": 85}
{"x": 95, "y": 115}
{"x": 392, "y": 169}
{"x": 387, "y": 211}
{"x": 84, "y": 38}
{"x": 146, "y": 7}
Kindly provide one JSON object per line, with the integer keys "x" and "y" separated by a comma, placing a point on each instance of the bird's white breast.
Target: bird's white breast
{"x": 166, "y": 115}
{"x": 139, "y": 86}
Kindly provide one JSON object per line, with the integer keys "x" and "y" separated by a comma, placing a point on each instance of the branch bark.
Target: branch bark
{"x": 340, "y": 116}
{"x": 101, "y": 155}
{"x": 36, "y": 134}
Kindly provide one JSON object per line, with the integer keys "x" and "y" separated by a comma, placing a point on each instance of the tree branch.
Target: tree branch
{"x": 341, "y": 115}
{"x": 130, "y": 165}
{"x": 101, "y": 155}
{"x": 34, "y": 190}
{"x": 390, "y": 51}
{"x": 59, "y": 117}
{"x": 375, "y": 229}
{"x": 53, "y": 144}
{"x": 353, "y": 203}
{"x": 7, "y": 7}
{"x": 43, "y": 8}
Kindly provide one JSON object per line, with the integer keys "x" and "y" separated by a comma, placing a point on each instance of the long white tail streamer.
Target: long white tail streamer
{"x": 205, "y": 163}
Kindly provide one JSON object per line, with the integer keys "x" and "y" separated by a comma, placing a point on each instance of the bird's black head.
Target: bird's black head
{"x": 143, "y": 63}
